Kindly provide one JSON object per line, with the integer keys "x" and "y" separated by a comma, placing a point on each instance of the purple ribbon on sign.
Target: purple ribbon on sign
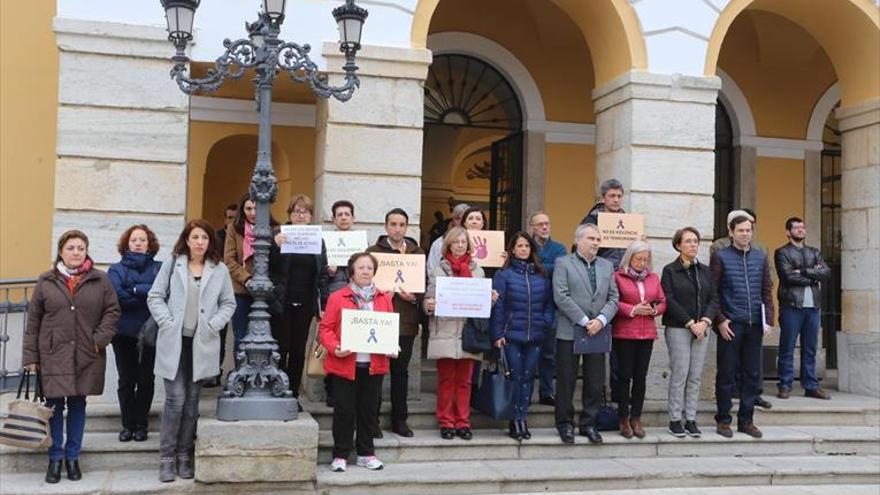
{"x": 372, "y": 337}
{"x": 399, "y": 277}
{"x": 620, "y": 224}
{"x": 340, "y": 242}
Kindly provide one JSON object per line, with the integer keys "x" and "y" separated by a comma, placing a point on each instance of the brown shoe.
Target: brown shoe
{"x": 625, "y": 430}
{"x": 638, "y": 430}
{"x": 817, "y": 394}
{"x": 724, "y": 430}
{"x": 749, "y": 429}
{"x": 783, "y": 393}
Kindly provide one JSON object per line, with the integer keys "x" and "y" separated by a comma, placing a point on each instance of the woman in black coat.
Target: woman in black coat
{"x": 690, "y": 308}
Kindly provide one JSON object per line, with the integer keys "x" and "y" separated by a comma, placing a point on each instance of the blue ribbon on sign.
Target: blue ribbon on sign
{"x": 399, "y": 277}
{"x": 372, "y": 337}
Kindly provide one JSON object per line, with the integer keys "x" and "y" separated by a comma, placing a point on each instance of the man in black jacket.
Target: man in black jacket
{"x": 801, "y": 269}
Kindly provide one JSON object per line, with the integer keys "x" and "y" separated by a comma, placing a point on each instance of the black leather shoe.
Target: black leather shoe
{"x": 566, "y": 434}
{"x": 125, "y": 435}
{"x": 73, "y": 471}
{"x": 591, "y": 433}
{"x": 762, "y": 403}
{"x": 513, "y": 430}
{"x": 547, "y": 400}
{"x": 524, "y": 430}
{"x": 377, "y": 432}
{"x": 402, "y": 429}
{"x": 140, "y": 435}
{"x": 447, "y": 433}
{"x": 53, "y": 473}
{"x": 464, "y": 433}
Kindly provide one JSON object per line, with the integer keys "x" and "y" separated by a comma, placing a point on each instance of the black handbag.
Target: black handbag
{"x": 495, "y": 395}
{"x": 475, "y": 336}
{"x": 606, "y": 418}
{"x": 150, "y": 329}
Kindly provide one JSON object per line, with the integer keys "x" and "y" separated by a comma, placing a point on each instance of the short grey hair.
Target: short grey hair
{"x": 609, "y": 185}
{"x": 536, "y": 213}
{"x": 635, "y": 248}
{"x": 579, "y": 231}
{"x": 459, "y": 209}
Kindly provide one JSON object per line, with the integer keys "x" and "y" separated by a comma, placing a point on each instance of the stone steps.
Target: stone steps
{"x": 101, "y": 451}
{"x": 548, "y": 475}
{"x": 427, "y": 446}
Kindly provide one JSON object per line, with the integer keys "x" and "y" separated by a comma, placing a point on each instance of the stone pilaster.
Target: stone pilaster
{"x": 656, "y": 134}
{"x": 859, "y": 340}
{"x": 369, "y": 149}
{"x": 122, "y": 135}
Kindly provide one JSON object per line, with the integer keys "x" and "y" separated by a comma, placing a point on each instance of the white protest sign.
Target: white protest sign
{"x": 464, "y": 297}
{"x": 301, "y": 239}
{"x": 375, "y": 332}
{"x": 341, "y": 245}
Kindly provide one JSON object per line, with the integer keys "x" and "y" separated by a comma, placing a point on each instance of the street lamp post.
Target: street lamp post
{"x": 257, "y": 388}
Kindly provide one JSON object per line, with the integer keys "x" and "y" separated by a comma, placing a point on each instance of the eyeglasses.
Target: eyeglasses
{"x": 301, "y": 213}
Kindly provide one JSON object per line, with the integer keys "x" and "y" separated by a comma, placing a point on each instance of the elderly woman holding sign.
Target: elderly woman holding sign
{"x": 454, "y": 365}
{"x": 356, "y": 377}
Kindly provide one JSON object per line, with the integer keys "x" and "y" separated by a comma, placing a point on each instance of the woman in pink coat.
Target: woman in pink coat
{"x": 634, "y": 331}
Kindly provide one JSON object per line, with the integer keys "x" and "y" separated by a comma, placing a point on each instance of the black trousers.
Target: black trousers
{"x": 743, "y": 352}
{"x": 592, "y": 367}
{"x": 633, "y": 359}
{"x": 136, "y": 381}
{"x": 293, "y": 336}
{"x": 355, "y": 411}
{"x": 399, "y": 380}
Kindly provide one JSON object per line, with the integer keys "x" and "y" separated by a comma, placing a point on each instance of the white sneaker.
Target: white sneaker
{"x": 338, "y": 465}
{"x": 370, "y": 462}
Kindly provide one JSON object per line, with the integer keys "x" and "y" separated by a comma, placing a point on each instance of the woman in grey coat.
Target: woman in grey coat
{"x": 191, "y": 300}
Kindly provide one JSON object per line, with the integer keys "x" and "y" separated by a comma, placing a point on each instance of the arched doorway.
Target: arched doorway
{"x": 726, "y": 170}
{"x": 473, "y": 147}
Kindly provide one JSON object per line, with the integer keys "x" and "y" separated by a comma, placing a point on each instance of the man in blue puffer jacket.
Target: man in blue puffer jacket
{"x": 741, "y": 279}
{"x": 521, "y": 317}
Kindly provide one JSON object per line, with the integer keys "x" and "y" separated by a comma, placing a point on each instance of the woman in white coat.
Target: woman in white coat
{"x": 191, "y": 300}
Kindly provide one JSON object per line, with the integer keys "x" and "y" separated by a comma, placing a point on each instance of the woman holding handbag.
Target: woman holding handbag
{"x": 192, "y": 300}
{"x": 132, "y": 278}
{"x": 357, "y": 377}
{"x": 454, "y": 365}
{"x": 71, "y": 320}
{"x": 520, "y": 318}
{"x": 633, "y": 332}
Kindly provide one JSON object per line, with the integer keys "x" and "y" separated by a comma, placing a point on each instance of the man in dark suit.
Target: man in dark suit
{"x": 586, "y": 299}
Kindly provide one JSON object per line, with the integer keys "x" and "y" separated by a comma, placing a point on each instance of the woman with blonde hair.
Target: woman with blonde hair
{"x": 633, "y": 332}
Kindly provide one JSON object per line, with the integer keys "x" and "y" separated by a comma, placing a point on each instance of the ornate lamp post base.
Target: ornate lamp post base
{"x": 255, "y": 407}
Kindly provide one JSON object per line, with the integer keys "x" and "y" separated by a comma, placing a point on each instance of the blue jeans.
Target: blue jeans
{"x": 240, "y": 320}
{"x": 547, "y": 364}
{"x": 794, "y": 322}
{"x": 76, "y": 426}
{"x": 522, "y": 358}
{"x": 743, "y": 351}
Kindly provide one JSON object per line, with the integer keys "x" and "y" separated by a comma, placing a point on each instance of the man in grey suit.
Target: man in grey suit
{"x": 586, "y": 299}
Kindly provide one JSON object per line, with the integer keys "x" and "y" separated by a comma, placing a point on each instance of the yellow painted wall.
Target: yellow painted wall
{"x": 293, "y": 160}
{"x": 781, "y": 70}
{"x": 28, "y": 116}
{"x": 569, "y": 187}
{"x": 542, "y": 37}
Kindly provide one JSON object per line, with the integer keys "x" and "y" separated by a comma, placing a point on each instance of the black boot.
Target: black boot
{"x": 53, "y": 473}
{"x": 513, "y": 430}
{"x": 524, "y": 430}
{"x": 73, "y": 471}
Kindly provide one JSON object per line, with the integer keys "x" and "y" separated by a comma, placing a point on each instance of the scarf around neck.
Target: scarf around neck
{"x": 461, "y": 266}
{"x": 637, "y": 276}
{"x": 248, "y": 243}
{"x": 363, "y": 295}
{"x": 72, "y": 276}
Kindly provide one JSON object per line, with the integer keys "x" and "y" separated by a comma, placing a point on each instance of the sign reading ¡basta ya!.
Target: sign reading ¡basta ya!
{"x": 375, "y": 332}
{"x": 620, "y": 229}
{"x": 398, "y": 272}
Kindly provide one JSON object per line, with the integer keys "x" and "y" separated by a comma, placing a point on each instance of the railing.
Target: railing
{"x": 15, "y": 295}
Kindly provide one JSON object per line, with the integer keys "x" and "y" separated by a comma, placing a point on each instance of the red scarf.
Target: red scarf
{"x": 73, "y": 276}
{"x": 461, "y": 266}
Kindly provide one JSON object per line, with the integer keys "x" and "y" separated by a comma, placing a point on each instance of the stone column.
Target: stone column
{"x": 369, "y": 149}
{"x": 859, "y": 341}
{"x": 656, "y": 134}
{"x": 122, "y": 140}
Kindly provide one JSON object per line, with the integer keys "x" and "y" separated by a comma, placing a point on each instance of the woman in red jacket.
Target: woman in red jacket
{"x": 633, "y": 331}
{"x": 356, "y": 376}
